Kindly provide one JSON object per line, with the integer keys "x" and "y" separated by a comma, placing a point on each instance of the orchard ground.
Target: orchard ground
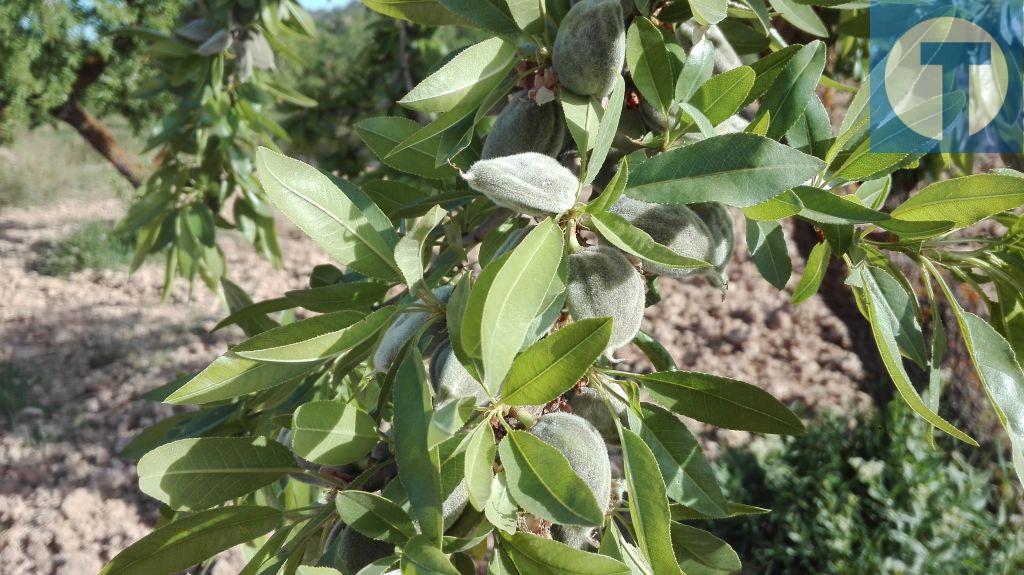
{"x": 77, "y": 350}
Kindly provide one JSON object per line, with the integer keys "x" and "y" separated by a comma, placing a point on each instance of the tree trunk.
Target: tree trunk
{"x": 101, "y": 139}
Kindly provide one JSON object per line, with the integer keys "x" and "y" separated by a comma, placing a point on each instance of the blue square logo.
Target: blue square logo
{"x": 946, "y": 76}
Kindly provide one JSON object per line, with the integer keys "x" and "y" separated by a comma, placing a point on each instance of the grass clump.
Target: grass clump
{"x": 93, "y": 246}
{"x": 873, "y": 497}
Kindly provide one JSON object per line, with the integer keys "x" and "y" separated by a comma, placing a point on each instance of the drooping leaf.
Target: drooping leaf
{"x": 532, "y": 554}
{"x": 724, "y": 95}
{"x": 326, "y": 214}
{"x": 491, "y": 15}
{"x": 734, "y": 169}
{"x": 768, "y": 249}
{"x": 383, "y": 134}
{"x": 648, "y": 509}
{"x": 800, "y": 15}
{"x": 721, "y": 401}
{"x": 964, "y": 201}
{"x": 469, "y": 72}
{"x": 901, "y": 307}
{"x": 553, "y": 365}
{"x": 543, "y": 483}
{"x": 606, "y": 130}
{"x": 224, "y": 467}
{"x": 190, "y": 540}
{"x": 479, "y": 472}
{"x": 688, "y": 476}
{"x": 793, "y": 88}
{"x": 624, "y": 235}
{"x": 374, "y": 516}
{"x": 409, "y": 251}
{"x": 884, "y": 327}
{"x": 419, "y": 467}
{"x": 420, "y": 557}
{"x": 427, "y": 12}
{"x": 338, "y": 297}
{"x": 517, "y": 296}
{"x": 814, "y": 273}
{"x": 332, "y": 433}
{"x": 649, "y": 65}
{"x": 231, "y": 376}
{"x": 701, "y": 553}
{"x": 314, "y": 339}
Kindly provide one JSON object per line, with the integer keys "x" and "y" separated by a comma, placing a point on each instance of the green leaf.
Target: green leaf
{"x": 814, "y": 274}
{"x": 709, "y": 12}
{"x": 374, "y": 516}
{"x": 528, "y": 14}
{"x": 701, "y": 553}
{"x": 517, "y": 296}
{"x": 419, "y": 467}
{"x": 884, "y": 327}
{"x": 801, "y": 16}
{"x": 622, "y": 234}
{"x": 332, "y": 433}
{"x": 812, "y": 133}
{"x": 699, "y": 65}
{"x": 448, "y": 419}
{"x": 780, "y": 207}
{"x": 611, "y": 192}
{"x": 314, "y": 339}
{"x": 464, "y": 76}
{"x": 688, "y": 476}
{"x": 500, "y": 510}
{"x": 409, "y": 251}
{"x": 964, "y": 201}
{"x": 556, "y": 363}
{"x": 384, "y": 133}
{"x": 999, "y": 371}
{"x": 473, "y": 315}
{"x": 901, "y": 306}
{"x": 428, "y": 12}
{"x": 192, "y": 539}
{"x": 648, "y": 509}
{"x": 254, "y": 314}
{"x": 606, "y": 130}
{"x": 420, "y": 557}
{"x": 656, "y": 353}
{"x": 543, "y": 483}
{"x": 225, "y": 467}
{"x": 338, "y": 297}
{"x": 683, "y": 513}
{"x": 734, "y": 169}
{"x": 582, "y": 117}
{"x": 237, "y": 301}
{"x": 725, "y": 94}
{"x": 231, "y": 376}
{"x": 793, "y": 89}
{"x": 535, "y": 555}
{"x": 325, "y": 213}
{"x": 721, "y": 401}
{"x": 491, "y": 15}
{"x": 649, "y": 65}
{"x": 768, "y": 249}
{"x": 479, "y": 462}
{"x": 768, "y": 69}
{"x": 874, "y": 193}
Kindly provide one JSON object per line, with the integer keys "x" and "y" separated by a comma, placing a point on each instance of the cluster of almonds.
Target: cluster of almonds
{"x": 519, "y": 171}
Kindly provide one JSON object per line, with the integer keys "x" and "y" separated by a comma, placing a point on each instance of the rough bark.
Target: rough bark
{"x": 93, "y": 129}
{"x": 101, "y": 139}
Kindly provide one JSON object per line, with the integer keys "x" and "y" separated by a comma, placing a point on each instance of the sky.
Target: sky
{"x": 321, "y": 4}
